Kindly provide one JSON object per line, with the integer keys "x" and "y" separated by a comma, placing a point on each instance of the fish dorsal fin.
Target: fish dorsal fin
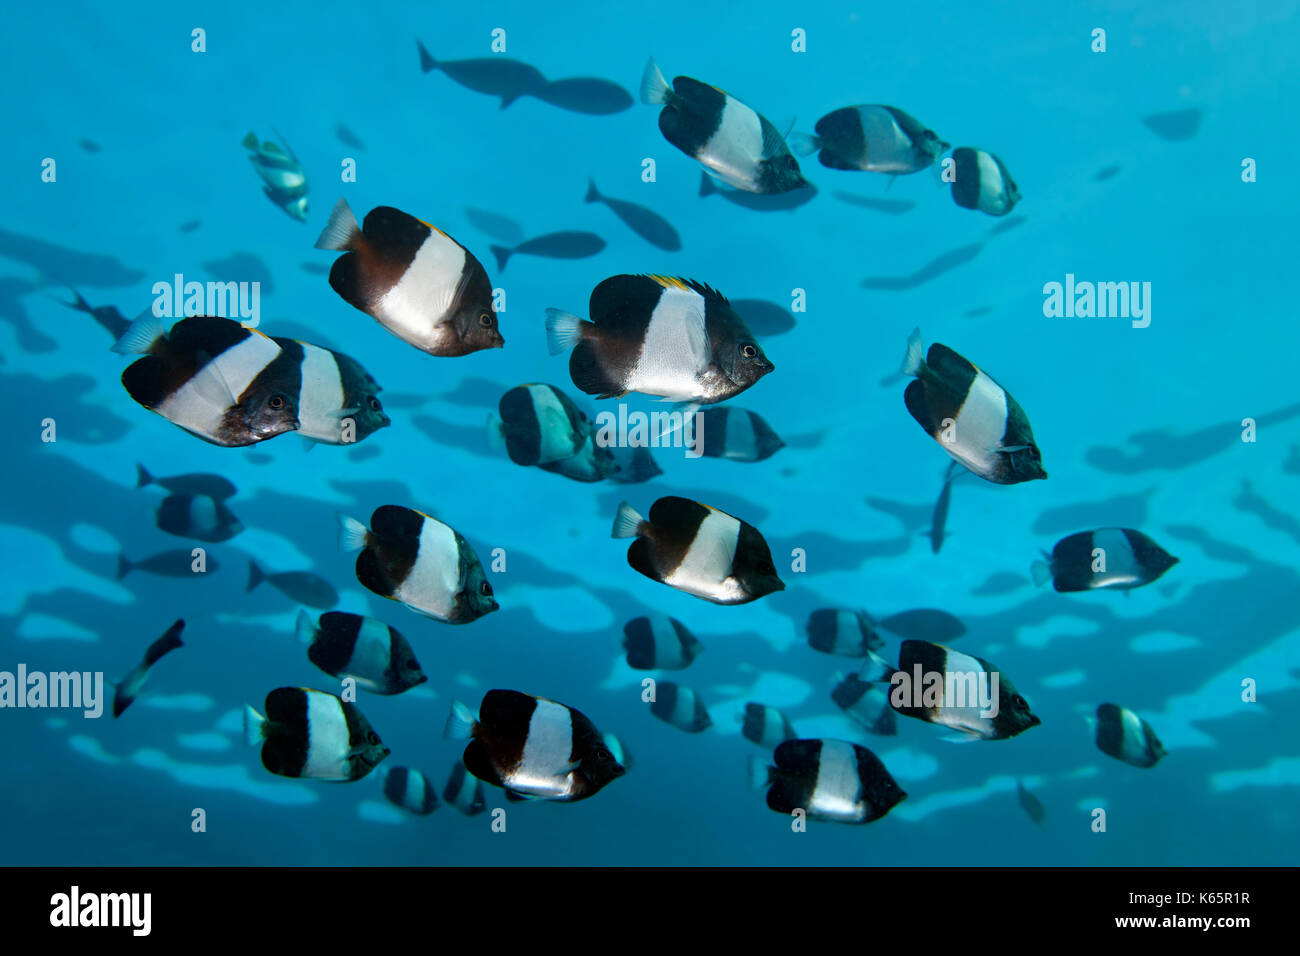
{"x": 676, "y": 282}
{"x": 287, "y": 148}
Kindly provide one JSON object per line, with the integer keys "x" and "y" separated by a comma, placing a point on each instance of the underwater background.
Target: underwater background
{"x": 1139, "y": 427}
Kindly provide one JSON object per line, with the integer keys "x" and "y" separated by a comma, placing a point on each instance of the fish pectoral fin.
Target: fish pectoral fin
{"x": 1008, "y": 449}
{"x": 345, "y": 412}
{"x": 959, "y": 738}
{"x": 211, "y": 385}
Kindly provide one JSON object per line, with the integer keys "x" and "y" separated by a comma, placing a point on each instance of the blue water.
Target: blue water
{"x": 1019, "y": 80}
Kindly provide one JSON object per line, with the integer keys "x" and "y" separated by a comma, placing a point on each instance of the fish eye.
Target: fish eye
{"x": 276, "y": 402}
{"x": 374, "y": 404}
{"x": 749, "y": 351}
{"x": 485, "y": 318}
{"x": 1020, "y": 702}
{"x": 373, "y": 738}
{"x": 485, "y": 589}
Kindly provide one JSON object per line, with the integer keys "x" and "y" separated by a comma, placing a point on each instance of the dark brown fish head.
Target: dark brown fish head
{"x": 931, "y": 145}
{"x": 370, "y": 416}
{"x": 265, "y": 416}
{"x": 1025, "y": 463}
{"x": 780, "y": 174}
{"x": 369, "y": 753}
{"x": 601, "y": 767}
{"x": 742, "y": 359}
{"x": 753, "y": 567}
{"x": 475, "y": 599}
{"x": 472, "y": 314}
{"x": 1014, "y": 716}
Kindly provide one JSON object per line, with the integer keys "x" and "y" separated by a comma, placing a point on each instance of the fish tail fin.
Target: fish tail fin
{"x": 427, "y": 62}
{"x": 1041, "y": 572}
{"x": 654, "y": 88}
{"x": 353, "y": 535}
{"x": 804, "y": 144}
{"x": 140, "y": 336}
{"x": 254, "y": 727}
{"x": 707, "y": 186}
{"x": 563, "y": 330}
{"x": 627, "y": 523}
{"x": 124, "y": 567}
{"x": 142, "y": 476}
{"x": 760, "y": 774}
{"x": 341, "y": 230}
{"x": 913, "y": 358}
{"x": 593, "y": 194}
{"x": 460, "y": 722}
{"x": 502, "y": 255}
{"x": 304, "y": 629}
{"x": 255, "y": 576}
{"x": 496, "y": 432}
{"x": 250, "y": 141}
{"x": 81, "y": 302}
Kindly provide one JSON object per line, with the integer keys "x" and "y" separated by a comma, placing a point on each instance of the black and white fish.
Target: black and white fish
{"x": 765, "y": 726}
{"x": 658, "y": 335}
{"x": 410, "y": 790}
{"x": 418, "y": 561}
{"x": 939, "y": 522}
{"x": 646, "y": 223}
{"x": 874, "y": 138}
{"x": 867, "y": 702}
{"x": 540, "y": 424}
{"x": 305, "y": 587}
{"x": 942, "y": 686}
{"x": 415, "y": 280}
{"x": 129, "y": 687}
{"x": 658, "y": 642}
{"x": 832, "y": 780}
{"x": 566, "y": 244}
{"x": 464, "y": 791}
{"x": 681, "y": 707}
{"x": 973, "y": 418}
{"x": 1032, "y": 806}
{"x": 177, "y": 563}
{"x": 982, "y": 182}
{"x": 738, "y": 435}
{"x": 732, "y": 141}
{"x": 1125, "y": 736}
{"x": 197, "y": 516}
{"x": 370, "y": 652}
{"x": 309, "y": 733}
{"x": 700, "y": 550}
{"x": 843, "y": 632}
{"x": 1109, "y": 558}
{"x": 211, "y": 376}
{"x": 493, "y": 75}
{"x": 214, "y": 486}
{"x": 285, "y": 179}
{"x": 337, "y": 399}
{"x": 533, "y": 747}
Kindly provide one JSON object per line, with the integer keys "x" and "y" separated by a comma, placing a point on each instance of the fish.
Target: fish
{"x": 210, "y": 376}
{"x": 646, "y": 223}
{"x": 337, "y": 399}
{"x": 758, "y": 202}
{"x": 658, "y": 335}
{"x": 347, "y": 137}
{"x": 927, "y": 624}
{"x": 764, "y": 318}
{"x": 495, "y": 225}
{"x": 1032, "y": 806}
{"x": 533, "y": 747}
{"x": 414, "y": 559}
{"x": 189, "y": 225}
{"x": 493, "y": 75}
{"x": 370, "y": 652}
{"x": 585, "y": 94}
{"x": 242, "y": 267}
{"x": 736, "y": 144}
{"x": 940, "y": 520}
{"x": 973, "y": 418}
{"x": 867, "y": 702}
{"x": 301, "y": 586}
{"x": 633, "y": 465}
{"x": 566, "y": 244}
{"x": 890, "y": 207}
{"x": 872, "y": 138}
{"x": 932, "y": 679}
{"x": 1114, "y": 558}
{"x": 89, "y": 145}
{"x": 107, "y": 316}
{"x": 981, "y": 181}
{"x": 540, "y": 424}
{"x": 58, "y": 263}
{"x": 1105, "y": 173}
{"x": 285, "y": 179}
{"x": 592, "y": 462}
{"x": 464, "y": 791}
{"x": 700, "y": 550}
{"x": 737, "y": 435}
{"x": 999, "y": 583}
{"x": 410, "y": 790}
{"x": 1175, "y": 125}
{"x": 843, "y": 632}
{"x": 177, "y": 563}
{"x": 213, "y": 486}
{"x": 1125, "y": 736}
{"x": 129, "y": 687}
{"x": 658, "y": 642}
{"x": 199, "y": 517}
{"x": 412, "y": 278}
{"x": 765, "y": 726}
{"x": 309, "y": 733}
{"x": 832, "y": 780}
{"x": 681, "y": 707}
